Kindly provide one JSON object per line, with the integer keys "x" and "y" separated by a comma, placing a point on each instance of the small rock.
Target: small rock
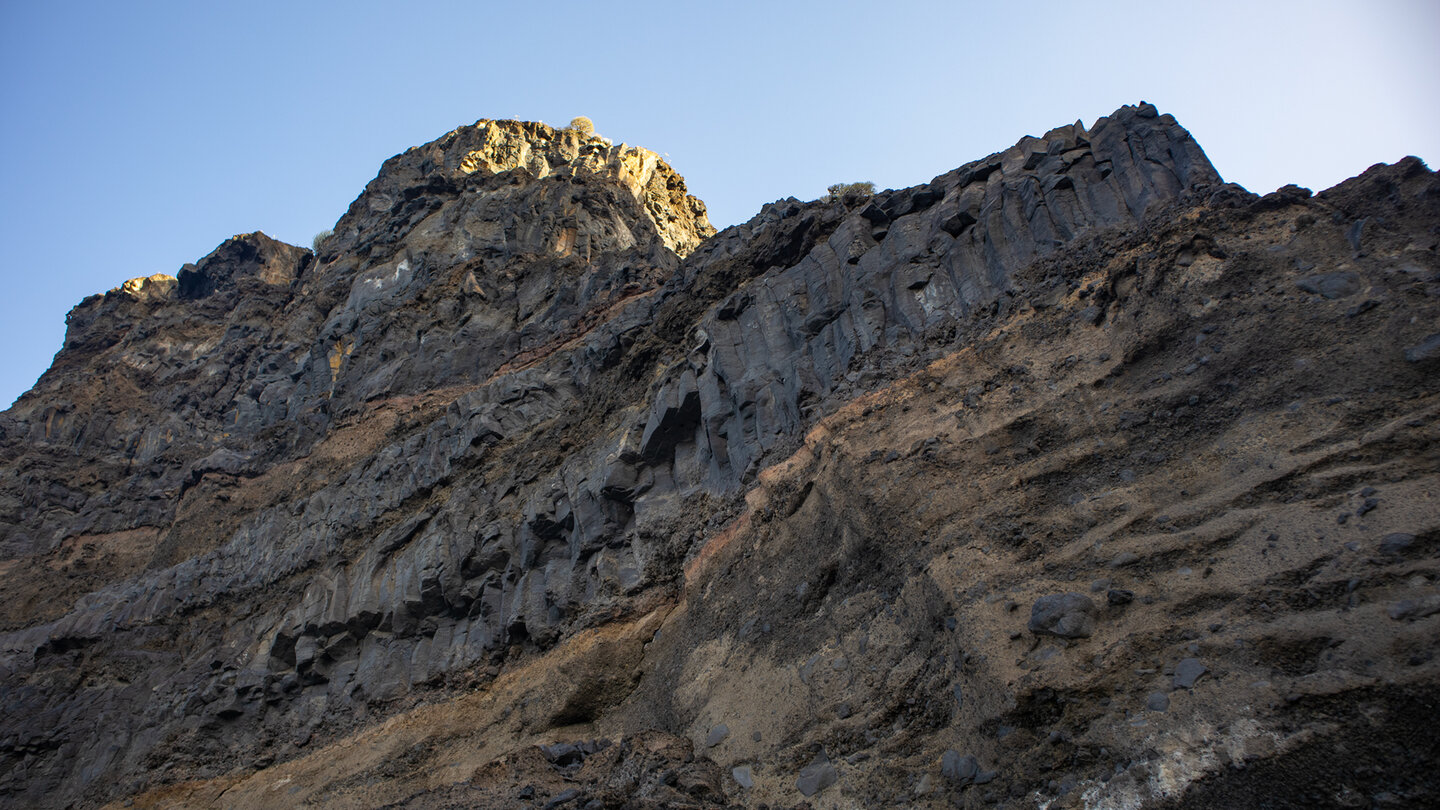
{"x": 1427, "y": 349}
{"x": 755, "y": 736}
{"x": 743, "y": 776}
{"x": 925, "y": 786}
{"x": 1067, "y": 615}
{"x": 562, "y": 797}
{"x": 562, "y": 754}
{"x": 816, "y": 776}
{"x": 1331, "y": 285}
{"x": 963, "y": 770}
{"x": 1119, "y": 596}
{"x": 1099, "y": 585}
{"x": 843, "y": 711}
{"x": 1368, "y": 505}
{"x": 1414, "y": 609}
{"x": 1400, "y": 610}
{"x": 716, "y": 734}
{"x": 1396, "y": 543}
{"x": 1124, "y": 558}
{"x": 1158, "y": 702}
{"x": 1187, "y": 671}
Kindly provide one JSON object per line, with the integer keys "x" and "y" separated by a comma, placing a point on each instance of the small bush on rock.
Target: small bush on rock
{"x": 842, "y": 191}
{"x": 582, "y": 125}
{"x": 319, "y": 240}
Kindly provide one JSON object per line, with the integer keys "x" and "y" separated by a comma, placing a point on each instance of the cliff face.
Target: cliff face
{"x": 527, "y": 454}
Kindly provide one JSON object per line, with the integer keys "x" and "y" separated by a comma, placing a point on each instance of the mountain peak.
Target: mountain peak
{"x": 500, "y": 157}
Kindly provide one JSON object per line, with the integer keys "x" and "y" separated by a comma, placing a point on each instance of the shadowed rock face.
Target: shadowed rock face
{"x": 528, "y": 444}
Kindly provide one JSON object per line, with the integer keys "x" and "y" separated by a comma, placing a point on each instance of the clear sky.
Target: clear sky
{"x": 137, "y": 136}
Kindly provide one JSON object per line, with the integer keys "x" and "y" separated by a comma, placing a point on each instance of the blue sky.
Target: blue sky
{"x": 138, "y": 136}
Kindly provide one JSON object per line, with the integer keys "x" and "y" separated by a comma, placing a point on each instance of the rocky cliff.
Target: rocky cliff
{"x": 1075, "y": 477}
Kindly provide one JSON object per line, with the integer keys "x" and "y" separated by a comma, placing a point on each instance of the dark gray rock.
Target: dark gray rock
{"x": 563, "y": 754}
{"x": 1186, "y": 673}
{"x": 958, "y": 769}
{"x": 1119, "y": 596}
{"x": 1124, "y": 558}
{"x": 1427, "y": 349}
{"x": 1339, "y": 284}
{"x": 716, "y": 735}
{"x": 1158, "y": 702}
{"x": 963, "y": 771}
{"x": 562, "y": 798}
{"x": 1407, "y": 609}
{"x": 1396, "y": 543}
{"x": 1067, "y": 615}
{"x": 816, "y": 776}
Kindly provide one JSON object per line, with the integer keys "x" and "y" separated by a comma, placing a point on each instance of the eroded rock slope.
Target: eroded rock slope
{"x": 1075, "y": 476}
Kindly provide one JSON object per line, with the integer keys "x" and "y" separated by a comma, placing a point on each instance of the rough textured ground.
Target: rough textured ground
{"x": 1075, "y": 478}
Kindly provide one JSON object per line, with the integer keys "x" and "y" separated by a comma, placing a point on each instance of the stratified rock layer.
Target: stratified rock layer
{"x": 525, "y": 443}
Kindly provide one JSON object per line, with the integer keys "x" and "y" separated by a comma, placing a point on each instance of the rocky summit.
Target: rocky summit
{"x": 1074, "y": 478}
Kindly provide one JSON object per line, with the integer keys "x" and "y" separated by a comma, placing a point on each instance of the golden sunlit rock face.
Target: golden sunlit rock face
{"x": 1075, "y": 477}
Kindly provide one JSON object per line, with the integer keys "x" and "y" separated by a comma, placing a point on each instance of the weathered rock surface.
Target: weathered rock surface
{"x": 527, "y": 457}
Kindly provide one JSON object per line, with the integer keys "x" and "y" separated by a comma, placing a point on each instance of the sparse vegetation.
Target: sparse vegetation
{"x": 842, "y": 191}
{"x": 582, "y": 125}
{"x": 319, "y": 240}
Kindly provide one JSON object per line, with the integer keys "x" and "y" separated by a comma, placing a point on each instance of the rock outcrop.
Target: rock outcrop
{"x": 528, "y": 455}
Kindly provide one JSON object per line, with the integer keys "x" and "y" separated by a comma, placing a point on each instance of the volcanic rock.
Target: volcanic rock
{"x": 1067, "y": 615}
{"x": 528, "y": 453}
